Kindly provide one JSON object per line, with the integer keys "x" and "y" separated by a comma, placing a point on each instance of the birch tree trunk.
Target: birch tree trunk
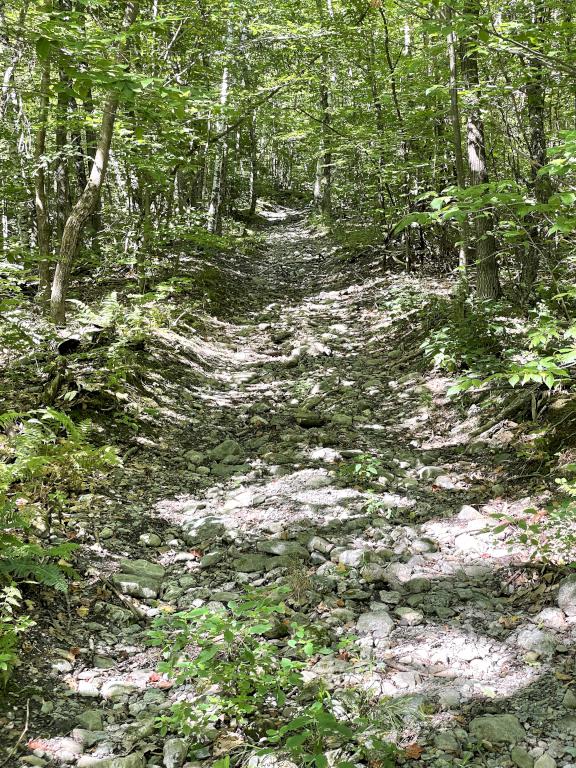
{"x": 88, "y": 200}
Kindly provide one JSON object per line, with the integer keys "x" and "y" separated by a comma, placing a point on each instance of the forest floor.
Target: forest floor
{"x": 237, "y": 480}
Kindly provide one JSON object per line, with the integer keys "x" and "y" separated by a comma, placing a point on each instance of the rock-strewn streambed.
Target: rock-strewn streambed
{"x": 240, "y": 484}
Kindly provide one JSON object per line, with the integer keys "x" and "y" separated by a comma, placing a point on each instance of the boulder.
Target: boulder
{"x": 497, "y": 729}
{"x": 378, "y": 623}
{"x": 227, "y": 449}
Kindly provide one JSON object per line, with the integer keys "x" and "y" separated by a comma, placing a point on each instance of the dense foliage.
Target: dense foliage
{"x": 137, "y": 138}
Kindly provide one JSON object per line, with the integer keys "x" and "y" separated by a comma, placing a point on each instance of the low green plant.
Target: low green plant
{"x": 45, "y": 461}
{"x": 12, "y": 625}
{"x": 362, "y": 470}
{"x": 242, "y": 666}
{"x": 548, "y": 534}
{"x": 470, "y": 338}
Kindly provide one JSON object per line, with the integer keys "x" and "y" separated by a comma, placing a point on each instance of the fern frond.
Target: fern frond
{"x": 8, "y": 418}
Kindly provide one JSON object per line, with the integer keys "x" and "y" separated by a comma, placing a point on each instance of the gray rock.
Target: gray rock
{"x": 521, "y": 758}
{"x": 389, "y": 596}
{"x": 449, "y": 698}
{"x": 91, "y": 719}
{"x": 258, "y": 563}
{"x": 143, "y": 568}
{"x": 210, "y": 559}
{"x": 567, "y": 724}
{"x": 316, "y": 482}
{"x": 112, "y": 689}
{"x": 135, "y": 760}
{"x": 225, "y": 469}
{"x": 373, "y": 573}
{"x": 203, "y": 530}
{"x": 137, "y": 586}
{"x": 87, "y": 689}
{"x": 469, "y": 513}
{"x": 309, "y": 419}
{"x": 567, "y": 595}
{"x": 150, "y": 540}
{"x": 497, "y": 729}
{"x": 379, "y": 623}
{"x": 318, "y": 544}
{"x": 175, "y": 751}
{"x": 447, "y": 742}
{"x": 282, "y": 547}
{"x": 398, "y": 575}
{"x": 269, "y": 761}
{"x": 194, "y": 457}
{"x": 545, "y": 761}
{"x": 228, "y": 448}
{"x": 569, "y": 700}
{"x": 342, "y": 419}
{"x": 104, "y": 662}
{"x": 533, "y": 639}
{"x": 409, "y": 617}
{"x": 352, "y": 557}
{"x": 552, "y": 618}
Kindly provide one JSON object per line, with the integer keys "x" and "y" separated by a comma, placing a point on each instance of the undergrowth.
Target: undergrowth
{"x": 245, "y": 688}
{"x": 46, "y": 460}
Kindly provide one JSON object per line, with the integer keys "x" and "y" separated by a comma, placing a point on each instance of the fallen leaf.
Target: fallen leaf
{"x": 562, "y": 676}
{"x": 413, "y": 752}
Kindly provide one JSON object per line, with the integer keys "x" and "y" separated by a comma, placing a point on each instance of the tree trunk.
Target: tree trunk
{"x": 323, "y": 179}
{"x": 253, "y": 190}
{"x": 380, "y": 129}
{"x": 487, "y": 271}
{"x": 214, "y": 222}
{"x": 63, "y": 203}
{"x": 86, "y": 203}
{"x": 40, "y": 196}
{"x": 536, "y": 107}
{"x": 457, "y": 138}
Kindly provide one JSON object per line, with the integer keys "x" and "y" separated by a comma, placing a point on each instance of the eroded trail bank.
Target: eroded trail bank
{"x": 267, "y": 430}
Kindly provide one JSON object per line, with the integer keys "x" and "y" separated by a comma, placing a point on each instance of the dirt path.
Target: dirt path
{"x": 241, "y": 477}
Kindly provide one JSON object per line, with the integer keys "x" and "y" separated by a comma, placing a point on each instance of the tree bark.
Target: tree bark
{"x": 536, "y": 107}
{"x": 86, "y": 203}
{"x": 323, "y": 179}
{"x": 487, "y": 271}
{"x": 455, "y": 120}
{"x": 40, "y": 196}
{"x": 253, "y": 190}
{"x": 214, "y": 222}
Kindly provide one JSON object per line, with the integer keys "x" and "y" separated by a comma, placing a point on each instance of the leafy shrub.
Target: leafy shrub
{"x": 240, "y": 678}
{"x": 471, "y": 338}
{"x": 548, "y": 534}
{"x": 45, "y": 459}
{"x": 362, "y": 471}
{"x": 12, "y": 626}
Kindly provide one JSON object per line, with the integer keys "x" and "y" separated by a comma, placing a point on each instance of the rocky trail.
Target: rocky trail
{"x": 238, "y": 481}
